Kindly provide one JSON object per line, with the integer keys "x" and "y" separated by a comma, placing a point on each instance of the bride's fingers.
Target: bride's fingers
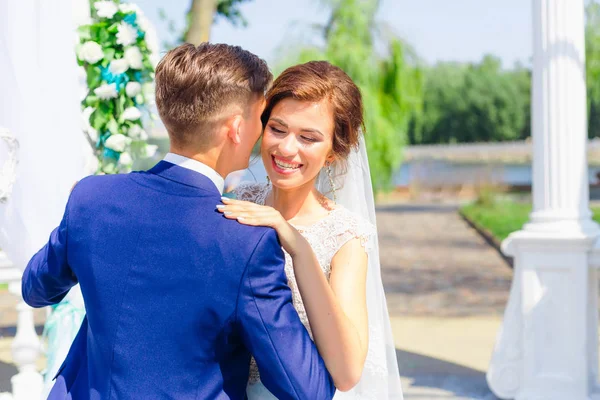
{"x": 242, "y": 208}
{"x": 224, "y": 208}
{"x": 228, "y": 201}
{"x": 248, "y": 221}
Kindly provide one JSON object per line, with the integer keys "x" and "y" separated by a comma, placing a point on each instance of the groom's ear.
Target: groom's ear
{"x": 234, "y": 126}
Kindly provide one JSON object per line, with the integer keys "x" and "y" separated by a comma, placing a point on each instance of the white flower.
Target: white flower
{"x": 148, "y": 92}
{"x": 136, "y": 132}
{"x": 85, "y": 117}
{"x": 91, "y": 164}
{"x": 133, "y": 89}
{"x": 91, "y": 52}
{"x": 132, "y": 114}
{"x": 106, "y": 91}
{"x": 117, "y": 142}
{"x": 93, "y": 134}
{"x": 151, "y": 150}
{"x": 126, "y": 8}
{"x": 148, "y": 89}
{"x": 85, "y": 123}
{"x": 82, "y": 80}
{"x": 118, "y": 67}
{"x": 106, "y": 9}
{"x": 125, "y": 159}
{"x": 143, "y": 22}
{"x": 126, "y": 34}
{"x": 133, "y": 55}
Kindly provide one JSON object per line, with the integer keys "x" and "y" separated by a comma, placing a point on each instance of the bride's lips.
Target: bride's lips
{"x": 284, "y": 171}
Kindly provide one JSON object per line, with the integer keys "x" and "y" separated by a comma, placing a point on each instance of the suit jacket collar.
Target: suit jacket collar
{"x": 184, "y": 176}
{"x": 197, "y": 166}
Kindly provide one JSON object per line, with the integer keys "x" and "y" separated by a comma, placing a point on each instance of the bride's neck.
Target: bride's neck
{"x": 294, "y": 203}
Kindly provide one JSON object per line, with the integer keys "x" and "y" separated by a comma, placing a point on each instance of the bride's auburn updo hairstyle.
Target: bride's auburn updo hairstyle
{"x": 319, "y": 80}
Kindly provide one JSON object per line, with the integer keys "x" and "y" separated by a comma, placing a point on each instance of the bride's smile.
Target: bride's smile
{"x": 297, "y": 141}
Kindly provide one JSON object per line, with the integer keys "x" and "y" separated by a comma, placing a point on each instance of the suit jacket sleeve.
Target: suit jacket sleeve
{"x": 289, "y": 363}
{"x": 48, "y": 277}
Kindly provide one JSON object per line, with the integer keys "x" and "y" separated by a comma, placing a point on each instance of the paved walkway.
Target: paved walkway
{"x": 446, "y": 290}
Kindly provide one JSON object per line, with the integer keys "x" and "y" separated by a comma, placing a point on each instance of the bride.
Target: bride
{"x": 320, "y": 202}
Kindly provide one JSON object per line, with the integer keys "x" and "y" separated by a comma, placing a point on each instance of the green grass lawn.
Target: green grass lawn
{"x": 502, "y": 217}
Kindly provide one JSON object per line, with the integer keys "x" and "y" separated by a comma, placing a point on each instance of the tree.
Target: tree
{"x": 391, "y": 84}
{"x": 201, "y": 16}
{"x": 203, "y": 13}
{"x": 473, "y": 103}
{"x": 592, "y": 56}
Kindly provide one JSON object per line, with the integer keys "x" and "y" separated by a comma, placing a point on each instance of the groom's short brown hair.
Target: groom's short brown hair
{"x": 195, "y": 85}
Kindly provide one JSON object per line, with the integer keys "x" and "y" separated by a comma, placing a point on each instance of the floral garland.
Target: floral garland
{"x": 117, "y": 60}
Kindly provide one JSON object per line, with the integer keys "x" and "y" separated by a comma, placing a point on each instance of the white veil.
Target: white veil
{"x": 380, "y": 379}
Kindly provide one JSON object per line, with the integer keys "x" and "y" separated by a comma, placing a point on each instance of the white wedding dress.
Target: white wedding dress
{"x": 326, "y": 237}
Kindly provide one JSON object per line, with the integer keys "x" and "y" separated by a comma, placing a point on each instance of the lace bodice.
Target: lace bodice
{"x": 326, "y": 237}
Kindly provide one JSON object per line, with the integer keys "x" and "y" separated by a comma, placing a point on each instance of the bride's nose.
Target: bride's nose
{"x": 288, "y": 145}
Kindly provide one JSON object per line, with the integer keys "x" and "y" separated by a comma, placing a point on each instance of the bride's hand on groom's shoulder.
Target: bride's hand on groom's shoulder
{"x": 248, "y": 213}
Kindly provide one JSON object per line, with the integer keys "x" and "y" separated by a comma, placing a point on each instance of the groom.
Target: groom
{"x": 178, "y": 297}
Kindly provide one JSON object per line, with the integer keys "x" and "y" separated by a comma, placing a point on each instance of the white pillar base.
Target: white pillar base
{"x": 547, "y": 347}
{"x": 28, "y": 383}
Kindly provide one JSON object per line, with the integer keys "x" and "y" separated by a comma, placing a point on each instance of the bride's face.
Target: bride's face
{"x": 297, "y": 142}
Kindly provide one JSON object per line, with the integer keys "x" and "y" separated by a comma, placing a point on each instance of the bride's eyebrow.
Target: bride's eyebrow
{"x": 313, "y": 131}
{"x": 279, "y": 121}
{"x": 282, "y": 122}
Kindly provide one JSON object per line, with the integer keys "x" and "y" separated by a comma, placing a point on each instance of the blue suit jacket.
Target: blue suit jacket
{"x": 177, "y": 296}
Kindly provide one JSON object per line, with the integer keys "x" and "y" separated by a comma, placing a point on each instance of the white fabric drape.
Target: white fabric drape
{"x": 40, "y": 106}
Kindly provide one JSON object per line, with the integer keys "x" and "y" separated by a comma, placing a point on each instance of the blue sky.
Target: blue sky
{"x": 439, "y": 30}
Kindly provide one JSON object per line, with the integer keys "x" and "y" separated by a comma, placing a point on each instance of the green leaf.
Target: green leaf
{"x": 121, "y": 104}
{"x": 103, "y": 36}
{"x": 112, "y": 126}
{"x": 94, "y": 78}
{"x": 91, "y": 100}
{"x": 98, "y": 119}
{"x": 109, "y": 54}
{"x": 84, "y": 32}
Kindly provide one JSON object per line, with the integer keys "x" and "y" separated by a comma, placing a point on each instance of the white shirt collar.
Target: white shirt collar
{"x": 197, "y": 166}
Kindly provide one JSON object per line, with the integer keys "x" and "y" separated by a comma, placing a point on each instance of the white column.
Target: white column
{"x": 28, "y": 383}
{"x": 547, "y": 348}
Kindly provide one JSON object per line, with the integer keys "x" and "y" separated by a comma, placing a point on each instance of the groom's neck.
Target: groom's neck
{"x": 209, "y": 157}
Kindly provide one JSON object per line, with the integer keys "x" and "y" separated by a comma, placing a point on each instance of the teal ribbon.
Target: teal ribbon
{"x": 108, "y": 153}
{"x": 131, "y": 19}
{"x": 63, "y": 314}
{"x": 119, "y": 79}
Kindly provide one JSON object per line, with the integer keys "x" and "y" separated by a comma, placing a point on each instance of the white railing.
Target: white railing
{"x": 27, "y": 384}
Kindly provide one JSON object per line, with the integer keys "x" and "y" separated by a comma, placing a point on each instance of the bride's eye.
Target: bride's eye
{"x": 308, "y": 139}
{"x": 277, "y": 131}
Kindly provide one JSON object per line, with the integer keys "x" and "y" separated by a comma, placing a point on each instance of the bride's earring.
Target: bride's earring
{"x": 331, "y": 184}
{"x": 268, "y": 180}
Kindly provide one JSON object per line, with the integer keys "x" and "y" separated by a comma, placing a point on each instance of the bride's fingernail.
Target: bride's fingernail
{"x": 241, "y": 218}
{"x": 224, "y": 199}
{"x": 227, "y": 213}
{"x": 220, "y": 206}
